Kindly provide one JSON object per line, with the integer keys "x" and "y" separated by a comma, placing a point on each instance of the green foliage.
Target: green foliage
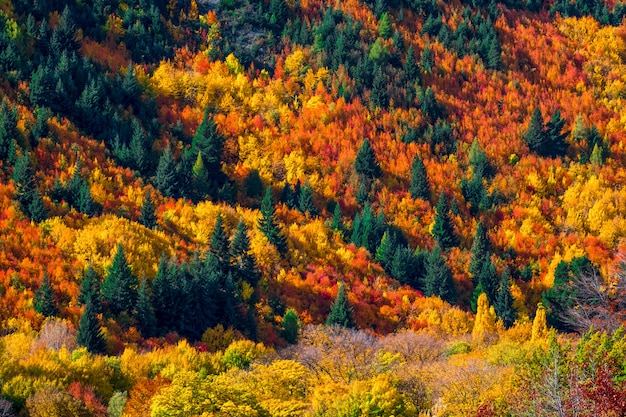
{"x": 384, "y": 26}
{"x": 147, "y": 216}
{"x": 290, "y": 326}
{"x": 242, "y": 261}
{"x": 44, "y": 298}
{"x": 341, "y": 313}
{"x": 146, "y": 319}
{"x": 89, "y": 333}
{"x": 443, "y": 230}
{"x": 166, "y": 179}
{"x": 504, "y": 301}
{"x": 306, "y": 200}
{"x": 366, "y": 163}
{"x": 268, "y": 223}
{"x": 117, "y": 404}
{"x": 534, "y": 136}
{"x": 427, "y": 60}
{"x": 119, "y": 289}
{"x": 253, "y": 185}
{"x": 438, "y": 279}
{"x": 219, "y": 246}
{"x": 419, "y": 187}
{"x": 90, "y": 289}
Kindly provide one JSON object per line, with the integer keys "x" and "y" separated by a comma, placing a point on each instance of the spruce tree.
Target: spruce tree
{"x": 269, "y": 225}
{"x": 167, "y": 296}
{"x": 210, "y": 143}
{"x": 89, "y": 333}
{"x": 337, "y": 221}
{"x": 443, "y": 230}
{"x": 384, "y": 26}
{"x": 419, "y": 187}
{"x": 290, "y": 326}
{"x": 166, "y": 179}
{"x": 480, "y": 247}
{"x": 119, "y": 288}
{"x": 362, "y": 196}
{"x": 24, "y": 180}
{"x": 504, "y": 302}
{"x": 84, "y": 201}
{"x": 366, "y": 163}
{"x": 558, "y": 298}
{"x": 147, "y": 216}
{"x": 253, "y": 184}
{"x": 90, "y": 289}
{"x": 36, "y": 209}
{"x": 243, "y": 263}
{"x": 146, "y": 319}
{"x": 306, "y": 200}
{"x": 555, "y": 144}
{"x": 438, "y": 278}
{"x": 488, "y": 278}
{"x": 386, "y": 250}
{"x": 219, "y": 246}
{"x": 341, "y": 313}
{"x": 411, "y": 71}
{"x": 427, "y": 60}
{"x": 200, "y": 177}
{"x": 535, "y": 135}
{"x": 44, "y": 298}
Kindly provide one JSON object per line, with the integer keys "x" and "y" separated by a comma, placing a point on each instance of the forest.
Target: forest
{"x": 282, "y": 208}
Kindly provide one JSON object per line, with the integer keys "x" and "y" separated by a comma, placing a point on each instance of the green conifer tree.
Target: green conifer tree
{"x": 147, "y": 215}
{"x": 84, "y": 201}
{"x": 290, "y": 326}
{"x": 36, "y": 209}
{"x": 386, "y": 250}
{"x": 411, "y": 71}
{"x": 89, "y": 333}
{"x": 44, "y": 298}
{"x": 480, "y": 247}
{"x": 119, "y": 288}
{"x": 555, "y": 144}
{"x": 427, "y": 60}
{"x": 341, "y": 312}
{"x": 90, "y": 289}
{"x": 419, "y": 187}
{"x": 535, "y": 135}
{"x": 269, "y": 225}
{"x": 166, "y": 179}
{"x": 24, "y": 180}
{"x": 504, "y": 302}
{"x": 438, "y": 279}
{"x": 243, "y": 263}
{"x": 306, "y": 200}
{"x": 366, "y": 163}
{"x": 146, "y": 319}
{"x": 443, "y": 230}
{"x": 210, "y": 143}
{"x": 219, "y": 246}
{"x": 337, "y": 221}
{"x": 384, "y": 27}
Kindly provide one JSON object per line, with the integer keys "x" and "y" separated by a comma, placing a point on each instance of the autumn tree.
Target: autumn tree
{"x": 119, "y": 289}
{"x": 341, "y": 311}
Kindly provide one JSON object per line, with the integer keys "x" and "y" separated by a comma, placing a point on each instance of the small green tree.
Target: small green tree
{"x": 219, "y": 246}
{"x": 166, "y": 179}
{"x": 427, "y": 60}
{"x": 90, "y": 289}
{"x": 504, "y": 302}
{"x": 443, "y": 230}
{"x": 535, "y": 135}
{"x": 290, "y": 326}
{"x": 36, "y": 209}
{"x": 419, "y": 187}
{"x": 146, "y": 319}
{"x": 366, "y": 163}
{"x": 44, "y": 298}
{"x": 337, "y": 221}
{"x": 438, "y": 278}
{"x": 384, "y": 27}
{"x": 306, "y": 200}
{"x": 242, "y": 261}
{"x": 89, "y": 333}
{"x": 269, "y": 225}
{"x": 147, "y": 216}
{"x": 341, "y": 313}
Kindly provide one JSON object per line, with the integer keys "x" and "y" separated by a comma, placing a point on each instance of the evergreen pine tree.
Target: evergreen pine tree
{"x": 210, "y": 144}
{"x": 167, "y": 296}
{"x": 535, "y": 135}
{"x": 306, "y": 200}
{"x": 90, "y": 289}
{"x": 269, "y": 225}
{"x": 488, "y": 278}
{"x": 366, "y": 163}
{"x": 555, "y": 144}
{"x": 84, "y": 201}
{"x": 166, "y": 179}
{"x": 253, "y": 185}
{"x": 24, "y": 180}
{"x": 341, "y": 313}
{"x": 480, "y": 247}
{"x": 443, "y": 230}
{"x": 411, "y": 71}
{"x": 40, "y": 129}
{"x": 504, "y": 302}
{"x": 419, "y": 187}
{"x": 438, "y": 279}
{"x": 384, "y": 26}
{"x": 478, "y": 160}
{"x": 337, "y": 221}
{"x": 243, "y": 263}
{"x": 362, "y": 196}
{"x": 119, "y": 288}
{"x": 290, "y": 326}
{"x": 200, "y": 176}
{"x": 378, "y": 96}
{"x": 147, "y": 216}
{"x": 558, "y": 298}
{"x": 494, "y": 52}
{"x": 44, "y": 298}
{"x": 137, "y": 147}
{"x": 89, "y": 333}
{"x": 427, "y": 60}
{"x": 219, "y": 246}
{"x": 386, "y": 250}
{"x": 36, "y": 209}
{"x": 146, "y": 319}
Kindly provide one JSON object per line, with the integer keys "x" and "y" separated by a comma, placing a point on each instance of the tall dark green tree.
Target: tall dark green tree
{"x": 504, "y": 302}
{"x": 89, "y": 333}
{"x": 555, "y": 144}
{"x": 366, "y": 163}
{"x": 488, "y": 279}
{"x": 427, "y": 60}
{"x": 219, "y": 246}
{"x": 44, "y": 298}
{"x": 535, "y": 135}
{"x": 146, "y": 319}
{"x": 242, "y": 261}
{"x": 443, "y": 230}
{"x": 167, "y": 296}
{"x": 84, "y": 200}
{"x": 411, "y": 71}
{"x": 438, "y": 280}
{"x": 147, "y": 216}
{"x": 119, "y": 289}
{"x": 386, "y": 250}
{"x": 90, "y": 289}
{"x": 480, "y": 247}
{"x": 36, "y": 209}
{"x": 306, "y": 204}
{"x": 419, "y": 187}
{"x": 378, "y": 95}
{"x": 290, "y": 326}
{"x": 269, "y": 225}
{"x": 166, "y": 179}
{"x": 24, "y": 180}
{"x": 210, "y": 144}
{"x": 337, "y": 221}
{"x": 559, "y": 297}
{"x": 341, "y": 312}
{"x": 385, "y": 29}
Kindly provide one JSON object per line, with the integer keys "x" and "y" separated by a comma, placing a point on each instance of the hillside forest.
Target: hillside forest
{"x": 283, "y": 208}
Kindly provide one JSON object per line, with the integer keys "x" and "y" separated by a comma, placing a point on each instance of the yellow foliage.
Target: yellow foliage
{"x": 485, "y": 322}
{"x": 540, "y": 325}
